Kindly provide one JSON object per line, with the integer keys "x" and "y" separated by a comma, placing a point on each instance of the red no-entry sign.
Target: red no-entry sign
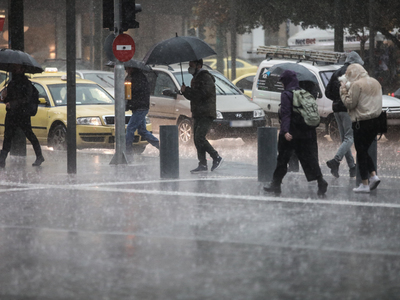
{"x": 123, "y": 47}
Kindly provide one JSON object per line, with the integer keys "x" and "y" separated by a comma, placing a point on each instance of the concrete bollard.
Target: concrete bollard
{"x": 267, "y": 152}
{"x": 169, "y": 151}
{"x": 373, "y": 152}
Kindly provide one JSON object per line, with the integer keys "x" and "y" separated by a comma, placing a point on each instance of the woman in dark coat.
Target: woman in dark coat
{"x": 302, "y": 142}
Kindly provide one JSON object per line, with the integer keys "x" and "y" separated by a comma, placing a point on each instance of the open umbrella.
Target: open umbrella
{"x": 177, "y": 50}
{"x": 307, "y": 79}
{"x": 9, "y": 59}
{"x": 132, "y": 63}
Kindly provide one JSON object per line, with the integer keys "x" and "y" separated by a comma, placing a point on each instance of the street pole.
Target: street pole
{"x": 71, "y": 87}
{"x": 119, "y": 119}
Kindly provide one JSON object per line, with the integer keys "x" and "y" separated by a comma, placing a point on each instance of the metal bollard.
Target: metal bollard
{"x": 169, "y": 151}
{"x": 373, "y": 152}
{"x": 267, "y": 152}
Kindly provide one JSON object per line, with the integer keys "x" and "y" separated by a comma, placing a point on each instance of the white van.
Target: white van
{"x": 266, "y": 91}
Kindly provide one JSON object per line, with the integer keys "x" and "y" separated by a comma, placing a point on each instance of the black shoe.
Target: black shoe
{"x": 38, "y": 161}
{"x": 322, "y": 187}
{"x": 353, "y": 172}
{"x": 199, "y": 169}
{"x": 273, "y": 188}
{"x": 217, "y": 163}
{"x": 334, "y": 166}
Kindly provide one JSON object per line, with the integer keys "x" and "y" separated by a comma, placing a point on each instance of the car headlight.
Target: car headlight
{"x": 89, "y": 121}
{"x": 258, "y": 113}
{"x": 219, "y": 115}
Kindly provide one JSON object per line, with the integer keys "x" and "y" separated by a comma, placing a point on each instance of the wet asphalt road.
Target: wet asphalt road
{"x": 121, "y": 232}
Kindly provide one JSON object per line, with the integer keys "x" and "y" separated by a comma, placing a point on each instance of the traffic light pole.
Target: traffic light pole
{"x": 119, "y": 119}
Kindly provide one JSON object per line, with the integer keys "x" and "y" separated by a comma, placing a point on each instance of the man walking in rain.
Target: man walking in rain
{"x": 342, "y": 118}
{"x": 15, "y": 96}
{"x": 202, "y": 96}
{"x": 302, "y": 142}
{"x": 140, "y": 104}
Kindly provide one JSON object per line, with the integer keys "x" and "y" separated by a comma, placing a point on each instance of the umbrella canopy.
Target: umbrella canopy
{"x": 303, "y": 74}
{"x": 178, "y": 49}
{"x": 9, "y": 59}
{"x": 132, "y": 63}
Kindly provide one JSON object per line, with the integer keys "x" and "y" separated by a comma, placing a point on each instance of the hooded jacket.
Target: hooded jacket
{"x": 364, "y": 97}
{"x": 202, "y": 95}
{"x": 332, "y": 89}
{"x": 17, "y": 91}
{"x": 290, "y": 83}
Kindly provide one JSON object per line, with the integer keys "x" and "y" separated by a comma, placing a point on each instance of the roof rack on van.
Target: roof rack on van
{"x": 301, "y": 54}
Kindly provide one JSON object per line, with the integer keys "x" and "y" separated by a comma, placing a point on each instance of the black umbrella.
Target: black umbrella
{"x": 9, "y": 59}
{"x": 303, "y": 74}
{"x": 177, "y": 50}
{"x": 132, "y": 63}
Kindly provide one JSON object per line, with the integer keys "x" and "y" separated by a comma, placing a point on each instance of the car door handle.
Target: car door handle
{"x": 153, "y": 104}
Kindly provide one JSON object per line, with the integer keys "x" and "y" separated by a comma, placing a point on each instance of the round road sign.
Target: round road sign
{"x": 123, "y": 47}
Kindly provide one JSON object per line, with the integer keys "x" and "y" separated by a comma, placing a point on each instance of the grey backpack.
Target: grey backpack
{"x": 305, "y": 110}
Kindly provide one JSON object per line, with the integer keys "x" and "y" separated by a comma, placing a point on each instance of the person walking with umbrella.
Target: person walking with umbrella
{"x": 202, "y": 96}
{"x": 140, "y": 107}
{"x": 15, "y": 98}
{"x": 294, "y": 139}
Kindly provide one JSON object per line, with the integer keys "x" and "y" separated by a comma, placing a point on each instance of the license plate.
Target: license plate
{"x": 243, "y": 123}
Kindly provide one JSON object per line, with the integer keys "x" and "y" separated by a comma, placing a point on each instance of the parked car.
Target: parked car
{"x": 103, "y": 78}
{"x": 245, "y": 83}
{"x": 392, "y": 107}
{"x": 242, "y": 66}
{"x": 94, "y": 115}
{"x": 237, "y": 116}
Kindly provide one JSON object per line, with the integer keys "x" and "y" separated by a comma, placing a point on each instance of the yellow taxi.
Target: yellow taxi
{"x": 245, "y": 83}
{"x": 242, "y": 66}
{"x": 94, "y": 115}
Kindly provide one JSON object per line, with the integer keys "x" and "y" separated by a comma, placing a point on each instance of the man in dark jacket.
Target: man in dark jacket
{"x": 16, "y": 98}
{"x": 302, "y": 142}
{"x": 202, "y": 98}
{"x": 140, "y": 104}
{"x": 342, "y": 118}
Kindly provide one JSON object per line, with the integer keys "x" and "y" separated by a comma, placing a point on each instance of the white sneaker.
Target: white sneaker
{"x": 362, "y": 189}
{"x": 374, "y": 181}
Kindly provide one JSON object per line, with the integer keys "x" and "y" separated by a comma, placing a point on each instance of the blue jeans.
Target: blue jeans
{"x": 343, "y": 121}
{"x": 138, "y": 122}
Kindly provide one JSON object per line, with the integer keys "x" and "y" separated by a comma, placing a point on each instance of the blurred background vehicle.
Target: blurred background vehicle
{"x": 245, "y": 83}
{"x": 242, "y": 66}
{"x": 103, "y": 78}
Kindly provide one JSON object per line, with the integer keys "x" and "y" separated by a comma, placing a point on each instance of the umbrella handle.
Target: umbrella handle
{"x": 183, "y": 82}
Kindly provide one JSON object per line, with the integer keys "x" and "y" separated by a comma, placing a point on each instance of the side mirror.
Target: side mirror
{"x": 169, "y": 93}
{"x": 42, "y": 101}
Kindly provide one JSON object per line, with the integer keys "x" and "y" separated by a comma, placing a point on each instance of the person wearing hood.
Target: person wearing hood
{"x": 292, "y": 139}
{"x": 202, "y": 96}
{"x": 342, "y": 118}
{"x": 362, "y": 95}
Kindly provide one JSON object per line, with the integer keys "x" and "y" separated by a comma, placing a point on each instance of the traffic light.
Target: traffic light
{"x": 128, "y": 14}
{"x": 128, "y": 10}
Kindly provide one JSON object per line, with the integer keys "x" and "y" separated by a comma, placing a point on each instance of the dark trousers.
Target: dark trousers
{"x": 307, "y": 153}
{"x": 12, "y": 122}
{"x": 201, "y": 127}
{"x": 364, "y": 134}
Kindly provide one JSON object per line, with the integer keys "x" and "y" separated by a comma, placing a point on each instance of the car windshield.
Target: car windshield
{"x": 222, "y": 85}
{"x": 326, "y": 76}
{"x": 105, "y": 80}
{"x": 86, "y": 94}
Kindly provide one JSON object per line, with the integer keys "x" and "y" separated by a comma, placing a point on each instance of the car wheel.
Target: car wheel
{"x": 58, "y": 138}
{"x": 333, "y": 130}
{"x": 138, "y": 149}
{"x": 393, "y": 134}
{"x": 185, "y": 131}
